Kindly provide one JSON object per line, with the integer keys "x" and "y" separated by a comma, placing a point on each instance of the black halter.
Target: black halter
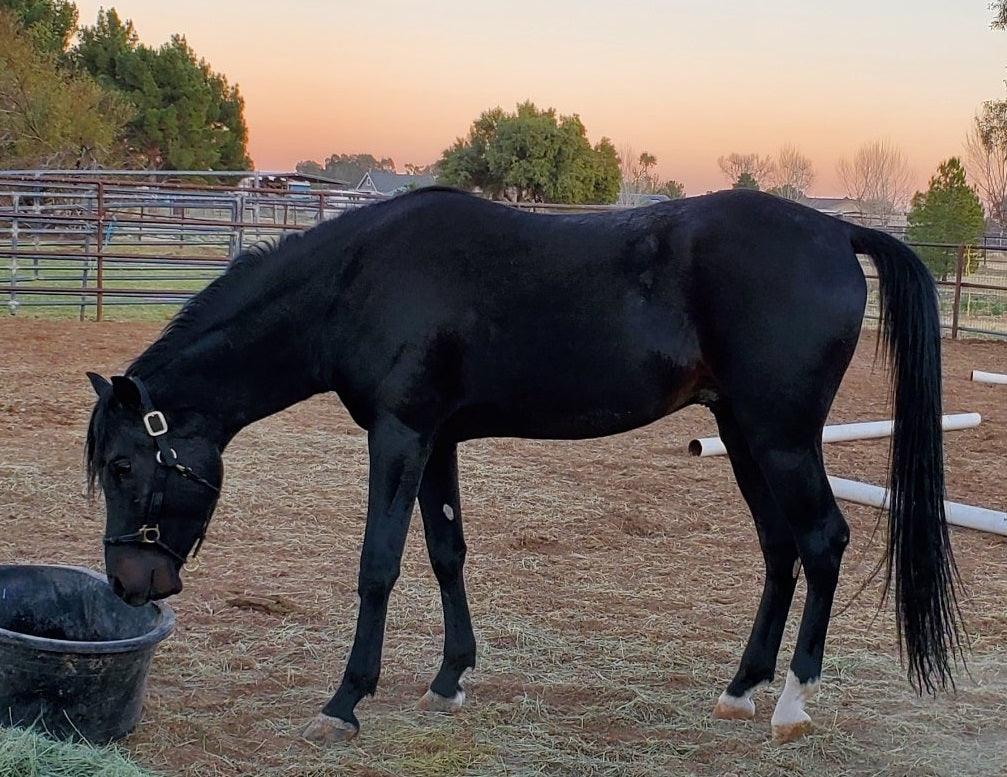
{"x": 150, "y": 533}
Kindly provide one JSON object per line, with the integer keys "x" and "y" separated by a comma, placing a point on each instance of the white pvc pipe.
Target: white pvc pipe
{"x": 988, "y": 377}
{"x": 958, "y": 514}
{"x": 865, "y": 430}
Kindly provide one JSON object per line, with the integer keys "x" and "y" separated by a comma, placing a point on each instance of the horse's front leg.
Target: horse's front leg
{"x": 442, "y": 524}
{"x": 397, "y": 458}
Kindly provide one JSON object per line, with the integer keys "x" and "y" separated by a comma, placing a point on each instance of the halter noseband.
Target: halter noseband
{"x": 156, "y": 426}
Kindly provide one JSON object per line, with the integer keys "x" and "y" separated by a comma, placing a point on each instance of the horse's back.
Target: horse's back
{"x": 577, "y": 326}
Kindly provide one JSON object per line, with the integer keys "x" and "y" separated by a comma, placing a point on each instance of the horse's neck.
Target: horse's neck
{"x": 248, "y": 368}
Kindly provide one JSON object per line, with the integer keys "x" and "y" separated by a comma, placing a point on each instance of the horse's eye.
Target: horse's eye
{"x": 121, "y": 467}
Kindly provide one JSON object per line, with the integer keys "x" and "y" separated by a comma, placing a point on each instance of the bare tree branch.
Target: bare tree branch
{"x": 986, "y": 152}
{"x": 878, "y": 175}
{"x": 734, "y": 165}
{"x": 793, "y": 174}
{"x": 999, "y": 8}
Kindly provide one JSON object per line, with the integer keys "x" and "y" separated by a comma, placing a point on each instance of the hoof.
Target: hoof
{"x": 790, "y": 721}
{"x": 434, "y": 702}
{"x": 791, "y": 732}
{"x": 325, "y": 730}
{"x": 734, "y": 708}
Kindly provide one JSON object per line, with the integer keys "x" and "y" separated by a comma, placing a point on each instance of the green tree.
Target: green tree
{"x": 673, "y": 190}
{"x": 533, "y": 155}
{"x": 433, "y": 169}
{"x": 49, "y": 23}
{"x": 746, "y": 181}
{"x": 346, "y": 167}
{"x": 948, "y": 212}
{"x": 50, "y": 117}
{"x": 187, "y": 116}
{"x": 999, "y": 8}
{"x": 607, "y": 174}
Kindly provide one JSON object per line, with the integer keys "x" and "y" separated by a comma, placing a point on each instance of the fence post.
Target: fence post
{"x": 959, "y": 268}
{"x": 84, "y": 275}
{"x": 239, "y": 209}
{"x": 100, "y": 253}
{"x": 321, "y": 207}
{"x": 12, "y": 304}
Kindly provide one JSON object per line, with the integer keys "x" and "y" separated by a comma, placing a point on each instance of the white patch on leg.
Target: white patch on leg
{"x": 449, "y": 512}
{"x": 789, "y": 718}
{"x": 736, "y": 707}
{"x": 434, "y": 702}
{"x": 797, "y": 568}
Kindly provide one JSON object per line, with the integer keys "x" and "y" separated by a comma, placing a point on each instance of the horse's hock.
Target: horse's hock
{"x": 74, "y": 658}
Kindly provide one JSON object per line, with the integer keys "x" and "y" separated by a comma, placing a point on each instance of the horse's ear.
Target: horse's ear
{"x": 126, "y": 392}
{"x": 101, "y": 386}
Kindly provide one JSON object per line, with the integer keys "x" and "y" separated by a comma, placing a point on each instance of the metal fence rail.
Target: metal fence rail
{"x": 89, "y": 243}
{"x": 92, "y": 243}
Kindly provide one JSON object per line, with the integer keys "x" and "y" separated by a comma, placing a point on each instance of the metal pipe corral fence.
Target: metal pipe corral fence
{"x": 141, "y": 238}
{"x": 94, "y": 241}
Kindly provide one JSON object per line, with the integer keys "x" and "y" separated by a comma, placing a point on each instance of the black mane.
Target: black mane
{"x": 264, "y": 269}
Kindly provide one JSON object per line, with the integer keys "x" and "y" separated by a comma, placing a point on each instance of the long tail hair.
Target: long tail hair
{"x": 919, "y": 560}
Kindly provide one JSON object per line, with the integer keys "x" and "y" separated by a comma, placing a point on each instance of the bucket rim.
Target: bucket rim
{"x": 163, "y": 627}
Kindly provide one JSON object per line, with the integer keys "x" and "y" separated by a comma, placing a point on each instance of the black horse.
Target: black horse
{"x": 438, "y": 317}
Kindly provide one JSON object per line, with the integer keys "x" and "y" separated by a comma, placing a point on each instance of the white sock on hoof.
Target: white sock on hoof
{"x": 730, "y": 707}
{"x": 789, "y": 718}
{"x": 434, "y": 702}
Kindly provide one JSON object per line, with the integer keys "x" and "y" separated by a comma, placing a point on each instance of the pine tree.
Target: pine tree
{"x": 948, "y": 212}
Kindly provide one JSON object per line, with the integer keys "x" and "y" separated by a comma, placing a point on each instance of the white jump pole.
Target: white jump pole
{"x": 988, "y": 377}
{"x": 958, "y": 514}
{"x": 866, "y": 430}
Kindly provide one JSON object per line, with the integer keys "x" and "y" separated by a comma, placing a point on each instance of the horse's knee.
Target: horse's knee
{"x": 782, "y": 564}
{"x": 447, "y": 562}
{"x": 377, "y": 578}
{"x": 822, "y": 547}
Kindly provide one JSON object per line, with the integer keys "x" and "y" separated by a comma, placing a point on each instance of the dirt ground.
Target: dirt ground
{"x": 612, "y": 584}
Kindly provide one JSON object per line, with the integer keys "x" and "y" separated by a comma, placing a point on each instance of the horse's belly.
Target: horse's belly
{"x": 574, "y": 411}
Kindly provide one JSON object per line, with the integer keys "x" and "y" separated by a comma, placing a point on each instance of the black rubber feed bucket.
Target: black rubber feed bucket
{"x": 74, "y": 657}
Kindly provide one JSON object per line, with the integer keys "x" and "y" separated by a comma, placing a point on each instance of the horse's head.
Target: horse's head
{"x": 161, "y": 475}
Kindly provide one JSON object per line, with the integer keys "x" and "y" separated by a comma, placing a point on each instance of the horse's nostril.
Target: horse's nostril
{"x": 117, "y": 587}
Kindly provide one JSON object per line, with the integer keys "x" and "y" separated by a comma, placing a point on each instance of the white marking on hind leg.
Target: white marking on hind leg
{"x": 737, "y": 707}
{"x": 790, "y": 721}
{"x": 434, "y": 702}
{"x": 797, "y": 568}
{"x": 449, "y": 512}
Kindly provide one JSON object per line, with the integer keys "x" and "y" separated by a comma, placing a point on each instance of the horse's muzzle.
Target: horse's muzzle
{"x": 140, "y": 575}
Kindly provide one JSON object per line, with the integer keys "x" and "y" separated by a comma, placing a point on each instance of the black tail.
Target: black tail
{"x": 919, "y": 556}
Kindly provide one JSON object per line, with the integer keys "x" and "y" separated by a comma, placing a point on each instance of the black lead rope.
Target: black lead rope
{"x": 150, "y": 533}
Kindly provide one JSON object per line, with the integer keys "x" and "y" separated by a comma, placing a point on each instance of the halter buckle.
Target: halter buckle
{"x": 155, "y": 423}
{"x": 174, "y": 457}
{"x": 149, "y": 535}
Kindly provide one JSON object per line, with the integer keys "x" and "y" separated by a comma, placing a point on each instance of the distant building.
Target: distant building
{"x": 384, "y": 182}
{"x": 292, "y": 181}
{"x": 857, "y": 211}
{"x": 842, "y": 207}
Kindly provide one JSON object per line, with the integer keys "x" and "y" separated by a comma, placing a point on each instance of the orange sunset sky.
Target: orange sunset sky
{"x": 687, "y": 81}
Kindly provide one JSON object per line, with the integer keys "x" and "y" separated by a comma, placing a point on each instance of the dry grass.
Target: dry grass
{"x": 26, "y": 753}
{"x": 612, "y": 585}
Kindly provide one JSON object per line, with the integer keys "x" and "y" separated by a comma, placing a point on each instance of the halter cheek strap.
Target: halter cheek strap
{"x": 149, "y": 533}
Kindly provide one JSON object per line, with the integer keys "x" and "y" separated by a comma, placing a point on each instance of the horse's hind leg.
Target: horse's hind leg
{"x": 793, "y": 468}
{"x": 442, "y": 525}
{"x": 758, "y": 662}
